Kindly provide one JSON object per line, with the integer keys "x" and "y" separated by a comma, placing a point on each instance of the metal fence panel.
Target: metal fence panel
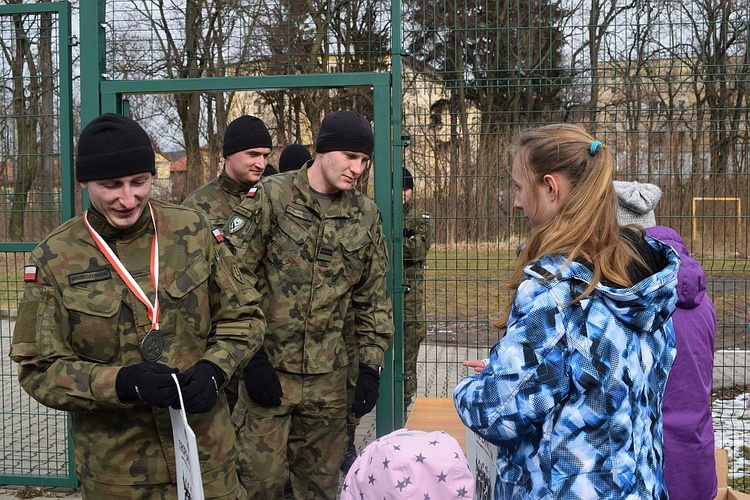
{"x": 653, "y": 81}
{"x": 36, "y": 186}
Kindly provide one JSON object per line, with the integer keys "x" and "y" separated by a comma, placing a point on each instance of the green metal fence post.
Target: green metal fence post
{"x": 63, "y": 476}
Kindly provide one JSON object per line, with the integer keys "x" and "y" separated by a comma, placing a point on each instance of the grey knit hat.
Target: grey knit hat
{"x": 636, "y": 202}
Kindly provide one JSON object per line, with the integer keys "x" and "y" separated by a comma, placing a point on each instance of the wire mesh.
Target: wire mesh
{"x": 34, "y": 438}
{"x": 29, "y": 145}
{"x": 652, "y": 81}
{"x": 150, "y": 39}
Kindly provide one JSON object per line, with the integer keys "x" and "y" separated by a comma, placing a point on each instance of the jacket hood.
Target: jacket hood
{"x": 645, "y": 306}
{"x": 691, "y": 279}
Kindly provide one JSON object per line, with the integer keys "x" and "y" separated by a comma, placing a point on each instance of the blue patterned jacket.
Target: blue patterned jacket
{"x": 576, "y": 410}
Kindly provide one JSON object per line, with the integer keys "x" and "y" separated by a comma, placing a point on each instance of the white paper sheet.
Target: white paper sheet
{"x": 189, "y": 482}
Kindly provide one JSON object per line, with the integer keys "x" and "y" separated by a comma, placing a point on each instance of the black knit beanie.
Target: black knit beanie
{"x": 245, "y": 132}
{"x": 345, "y": 131}
{"x": 408, "y": 182}
{"x": 293, "y": 157}
{"x": 269, "y": 170}
{"x": 113, "y": 146}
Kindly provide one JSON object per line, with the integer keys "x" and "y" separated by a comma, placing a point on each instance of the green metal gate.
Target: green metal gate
{"x": 36, "y": 177}
{"x": 28, "y": 460}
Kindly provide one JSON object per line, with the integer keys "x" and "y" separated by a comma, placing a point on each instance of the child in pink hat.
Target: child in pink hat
{"x": 410, "y": 464}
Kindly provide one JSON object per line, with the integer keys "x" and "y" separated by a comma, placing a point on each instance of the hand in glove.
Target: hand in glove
{"x": 366, "y": 391}
{"x": 200, "y": 387}
{"x": 261, "y": 381}
{"x": 148, "y": 382}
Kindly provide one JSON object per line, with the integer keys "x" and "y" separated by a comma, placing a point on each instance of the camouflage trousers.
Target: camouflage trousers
{"x": 302, "y": 441}
{"x": 218, "y": 484}
{"x": 415, "y": 330}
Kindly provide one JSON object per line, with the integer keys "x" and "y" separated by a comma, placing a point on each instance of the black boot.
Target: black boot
{"x": 351, "y": 452}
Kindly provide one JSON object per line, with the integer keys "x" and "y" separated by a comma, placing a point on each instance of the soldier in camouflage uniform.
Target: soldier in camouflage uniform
{"x": 318, "y": 249}
{"x": 418, "y": 235}
{"x": 246, "y": 148}
{"x": 92, "y": 339}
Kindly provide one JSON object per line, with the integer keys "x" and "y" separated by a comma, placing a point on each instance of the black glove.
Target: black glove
{"x": 148, "y": 382}
{"x": 408, "y": 233}
{"x": 200, "y": 387}
{"x": 261, "y": 381}
{"x": 366, "y": 391}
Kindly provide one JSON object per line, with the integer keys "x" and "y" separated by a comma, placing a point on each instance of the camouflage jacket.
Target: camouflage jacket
{"x": 312, "y": 270}
{"x": 78, "y": 324}
{"x": 217, "y": 198}
{"x": 418, "y": 234}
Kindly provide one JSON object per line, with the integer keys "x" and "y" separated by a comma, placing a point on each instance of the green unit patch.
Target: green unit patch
{"x": 235, "y": 224}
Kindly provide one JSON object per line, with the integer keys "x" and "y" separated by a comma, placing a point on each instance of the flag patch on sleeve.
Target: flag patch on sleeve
{"x": 217, "y": 234}
{"x": 29, "y": 273}
{"x": 251, "y": 193}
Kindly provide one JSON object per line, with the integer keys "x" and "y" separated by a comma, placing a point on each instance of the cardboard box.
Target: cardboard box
{"x": 722, "y": 474}
{"x": 437, "y": 414}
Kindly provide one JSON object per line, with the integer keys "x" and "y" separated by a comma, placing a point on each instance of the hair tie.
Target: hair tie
{"x": 594, "y": 146}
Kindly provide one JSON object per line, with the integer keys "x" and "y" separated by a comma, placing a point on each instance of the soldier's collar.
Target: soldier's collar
{"x": 303, "y": 195}
{"x": 109, "y": 232}
{"x": 231, "y": 185}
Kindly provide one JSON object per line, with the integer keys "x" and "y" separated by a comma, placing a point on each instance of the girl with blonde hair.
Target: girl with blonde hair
{"x": 571, "y": 394}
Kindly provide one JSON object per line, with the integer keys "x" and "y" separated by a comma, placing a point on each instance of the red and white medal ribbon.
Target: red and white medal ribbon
{"x": 153, "y": 309}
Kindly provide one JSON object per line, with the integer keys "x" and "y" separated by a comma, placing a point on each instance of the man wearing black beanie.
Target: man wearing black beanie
{"x": 293, "y": 157}
{"x": 318, "y": 249}
{"x": 92, "y": 338}
{"x": 247, "y": 146}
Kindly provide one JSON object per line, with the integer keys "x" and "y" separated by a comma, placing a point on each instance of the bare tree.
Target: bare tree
{"x": 717, "y": 55}
{"x": 29, "y": 55}
{"x": 508, "y": 74}
{"x": 602, "y": 15}
{"x": 186, "y": 40}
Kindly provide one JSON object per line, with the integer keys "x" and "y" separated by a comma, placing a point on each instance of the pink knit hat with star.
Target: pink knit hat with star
{"x": 410, "y": 464}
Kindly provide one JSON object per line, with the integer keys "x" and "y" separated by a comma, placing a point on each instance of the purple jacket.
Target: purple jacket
{"x": 689, "y": 467}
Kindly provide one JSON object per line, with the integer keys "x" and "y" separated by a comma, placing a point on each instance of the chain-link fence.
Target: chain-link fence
{"x": 661, "y": 84}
